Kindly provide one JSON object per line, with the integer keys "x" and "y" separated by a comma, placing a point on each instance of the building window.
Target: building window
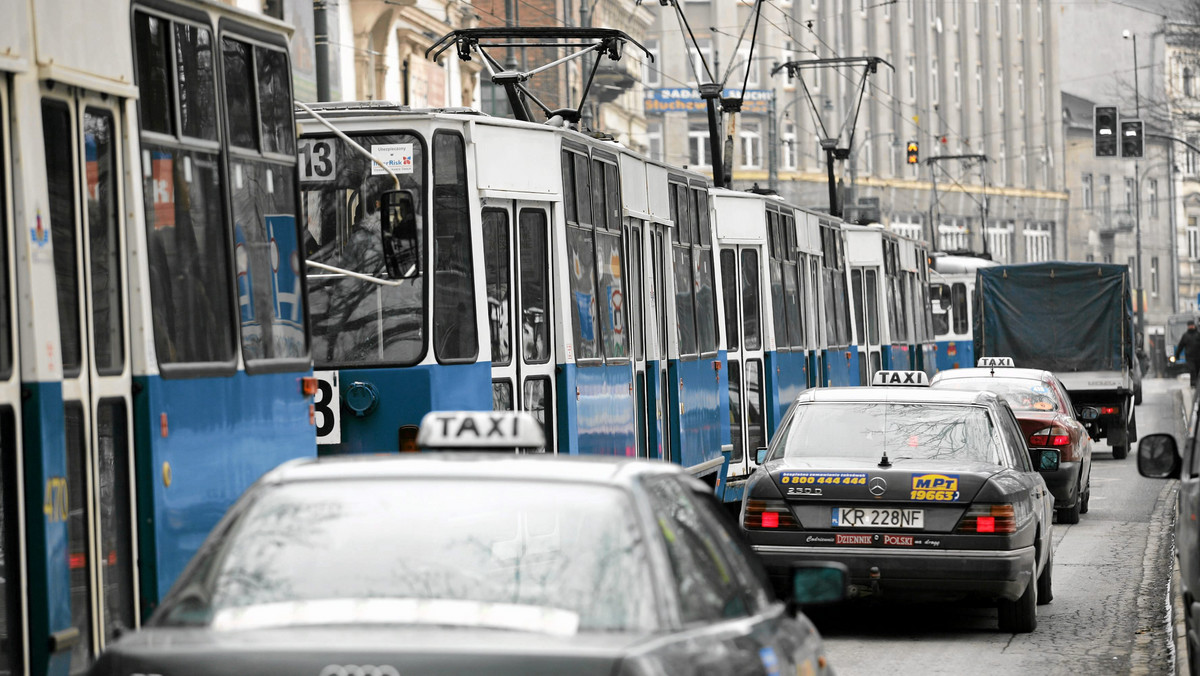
{"x": 1041, "y": 93}
{"x": 1187, "y": 81}
{"x": 699, "y": 58}
{"x": 1024, "y": 177}
{"x": 1003, "y": 162}
{"x": 1087, "y": 192}
{"x": 651, "y": 71}
{"x": 933, "y": 81}
{"x": 1193, "y": 239}
{"x": 1152, "y": 195}
{"x": 654, "y": 141}
{"x": 789, "y": 145}
{"x": 1039, "y": 242}
{"x": 1106, "y": 193}
{"x": 698, "y": 145}
{"x": 1020, "y": 90}
{"x": 744, "y": 63}
{"x": 751, "y": 145}
{"x": 999, "y": 89}
{"x": 1107, "y": 258}
{"x": 978, "y": 85}
{"x": 999, "y": 237}
{"x": 1192, "y": 161}
{"x": 1129, "y": 195}
{"x": 954, "y": 14}
{"x": 1020, "y": 20}
{"x": 975, "y": 5}
{"x": 789, "y": 54}
{"x": 912, "y": 73}
{"x": 1154, "y": 276}
{"x": 957, "y": 85}
{"x": 996, "y": 4}
{"x": 909, "y": 5}
{"x": 1090, "y": 258}
{"x": 1039, "y": 19}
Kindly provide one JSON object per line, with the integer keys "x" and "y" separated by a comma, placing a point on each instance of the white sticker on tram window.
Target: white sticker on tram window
{"x": 187, "y": 171}
{"x": 327, "y": 408}
{"x": 397, "y": 156}
{"x": 318, "y": 160}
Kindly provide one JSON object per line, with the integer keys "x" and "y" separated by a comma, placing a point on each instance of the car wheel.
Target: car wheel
{"x": 1020, "y": 616}
{"x": 1120, "y": 451}
{"x": 1045, "y": 583}
{"x": 1070, "y": 515}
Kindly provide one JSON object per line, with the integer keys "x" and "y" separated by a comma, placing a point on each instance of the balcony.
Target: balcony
{"x": 1114, "y": 221}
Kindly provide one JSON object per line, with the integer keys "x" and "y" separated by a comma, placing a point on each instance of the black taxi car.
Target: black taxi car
{"x": 918, "y": 491}
{"x": 452, "y": 563}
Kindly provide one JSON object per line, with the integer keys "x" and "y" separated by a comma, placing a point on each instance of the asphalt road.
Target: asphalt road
{"x": 1111, "y": 610}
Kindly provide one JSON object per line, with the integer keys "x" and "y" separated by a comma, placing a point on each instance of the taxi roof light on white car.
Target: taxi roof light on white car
{"x": 995, "y": 363}
{"x": 901, "y": 378}
{"x": 480, "y": 430}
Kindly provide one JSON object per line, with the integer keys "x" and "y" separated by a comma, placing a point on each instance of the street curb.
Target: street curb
{"x": 1178, "y": 626}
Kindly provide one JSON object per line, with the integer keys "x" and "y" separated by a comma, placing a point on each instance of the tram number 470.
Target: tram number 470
{"x": 56, "y": 506}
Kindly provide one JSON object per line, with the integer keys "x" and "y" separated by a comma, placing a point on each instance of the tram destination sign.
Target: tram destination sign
{"x": 685, "y": 99}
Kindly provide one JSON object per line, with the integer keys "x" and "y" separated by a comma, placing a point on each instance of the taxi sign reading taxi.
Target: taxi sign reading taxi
{"x": 904, "y": 378}
{"x": 995, "y": 362}
{"x": 480, "y": 430}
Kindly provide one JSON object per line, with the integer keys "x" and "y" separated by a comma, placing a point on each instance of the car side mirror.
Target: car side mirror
{"x": 761, "y": 456}
{"x": 400, "y": 238}
{"x": 819, "y": 582}
{"x": 1088, "y": 413}
{"x": 1158, "y": 457}
{"x": 1046, "y": 459}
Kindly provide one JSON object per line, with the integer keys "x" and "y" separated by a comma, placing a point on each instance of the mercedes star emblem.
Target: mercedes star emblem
{"x": 877, "y": 486}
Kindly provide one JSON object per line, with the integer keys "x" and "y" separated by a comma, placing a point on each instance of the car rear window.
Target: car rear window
{"x": 865, "y": 430}
{"x": 515, "y": 555}
{"x": 1022, "y": 394}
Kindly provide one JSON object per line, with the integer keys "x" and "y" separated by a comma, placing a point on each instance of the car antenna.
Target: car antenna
{"x": 884, "y": 462}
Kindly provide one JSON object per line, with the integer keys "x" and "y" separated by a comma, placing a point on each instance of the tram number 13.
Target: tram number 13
{"x": 327, "y": 408}
{"x": 318, "y": 160}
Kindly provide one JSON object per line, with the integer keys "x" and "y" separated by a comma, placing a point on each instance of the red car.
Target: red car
{"x": 1047, "y": 420}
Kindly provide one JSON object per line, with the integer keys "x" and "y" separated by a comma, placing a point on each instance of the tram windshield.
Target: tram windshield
{"x": 356, "y": 321}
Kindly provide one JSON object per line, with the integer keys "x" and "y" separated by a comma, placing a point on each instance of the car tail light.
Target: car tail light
{"x": 769, "y": 515}
{"x": 998, "y": 519}
{"x": 1054, "y": 435}
{"x": 1110, "y": 410}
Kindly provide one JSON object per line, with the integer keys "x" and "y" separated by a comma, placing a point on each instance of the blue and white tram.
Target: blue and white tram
{"x": 951, "y": 290}
{"x": 572, "y": 279}
{"x": 152, "y": 317}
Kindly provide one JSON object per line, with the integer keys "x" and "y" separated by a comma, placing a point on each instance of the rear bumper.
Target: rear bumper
{"x": 992, "y": 574}
{"x": 1064, "y": 483}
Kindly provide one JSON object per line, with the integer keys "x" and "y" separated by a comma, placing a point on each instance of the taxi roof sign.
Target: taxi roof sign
{"x": 902, "y": 378}
{"x": 995, "y": 363}
{"x": 480, "y": 430}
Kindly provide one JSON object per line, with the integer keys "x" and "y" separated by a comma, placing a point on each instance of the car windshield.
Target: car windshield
{"x": 865, "y": 430}
{"x": 530, "y": 556}
{"x": 1022, "y": 394}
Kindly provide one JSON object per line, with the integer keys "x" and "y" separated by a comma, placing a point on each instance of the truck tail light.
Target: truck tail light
{"x": 769, "y": 515}
{"x": 1110, "y": 410}
{"x": 998, "y": 519}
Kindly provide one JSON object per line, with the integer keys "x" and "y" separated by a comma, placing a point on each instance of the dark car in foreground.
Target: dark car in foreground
{"x": 1043, "y": 409}
{"x": 918, "y": 491}
{"x": 1159, "y": 457}
{"x": 449, "y": 563}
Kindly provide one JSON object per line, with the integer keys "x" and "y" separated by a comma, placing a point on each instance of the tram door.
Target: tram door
{"x": 85, "y": 163}
{"x": 641, "y": 299}
{"x": 864, "y": 285}
{"x": 517, "y": 243}
{"x": 658, "y": 402}
{"x": 741, "y": 281}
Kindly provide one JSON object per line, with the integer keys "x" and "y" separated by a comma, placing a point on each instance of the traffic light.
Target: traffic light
{"x": 912, "y": 153}
{"x": 1131, "y": 138}
{"x": 1105, "y": 124}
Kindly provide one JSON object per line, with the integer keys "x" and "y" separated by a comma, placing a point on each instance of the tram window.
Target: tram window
{"x": 612, "y": 192}
{"x": 751, "y": 324}
{"x": 856, "y": 286}
{"x": 355, "y": 322}
{"x": 536, "y": 399}
{"x": 78, "y": 518}
{"x": 116, "y": 522}
{"x": 778, "y": 304}
{"x": 939, "y": 304}
{"x": 636, "y": 327}
{"x": 801, "y": 272}
{"x": 569, "y": 207}
{"x": 60, "y": 177}
{"x": 735, "y": 410}
{"x": 609, "y": 278}
{"x": 275, "y": 101}
{"x": 6, "y": 347}
{"x": 791, "y": 295}
{"x": 155, "y": 95}
{"x": 756, "y": 429}
{"x": 502, "y": 395}
{"x": 454, "y": 330}
{"x": 239, "y": 94}
{"x": 496, "y": 270}
{"x": 535, "y": 308}
{"x": 583, "y": 190}
{"x": 583, "y": 293}
{"x": 684, "y": 310}
{"x": 197, "y": 91}
{"x": 871, "y": 281}
{"x": 703, "y": 223}
{"x": 598, "y": 209}
{"x": 706, "y": 302}
{"x": 101, "y": 176}
{"x": 729, "y": 288}
{"x": 10, "y": 594}
{"x": 958, "y": 303}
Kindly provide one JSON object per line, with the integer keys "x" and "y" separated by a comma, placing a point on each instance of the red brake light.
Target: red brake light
{"x": 1050, "y": 436}
{"x": 985, "y": 524}
{"x": 1109, "y": 410}
{"x": 769, "y": 514}
{"x": 991, "y": 519}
